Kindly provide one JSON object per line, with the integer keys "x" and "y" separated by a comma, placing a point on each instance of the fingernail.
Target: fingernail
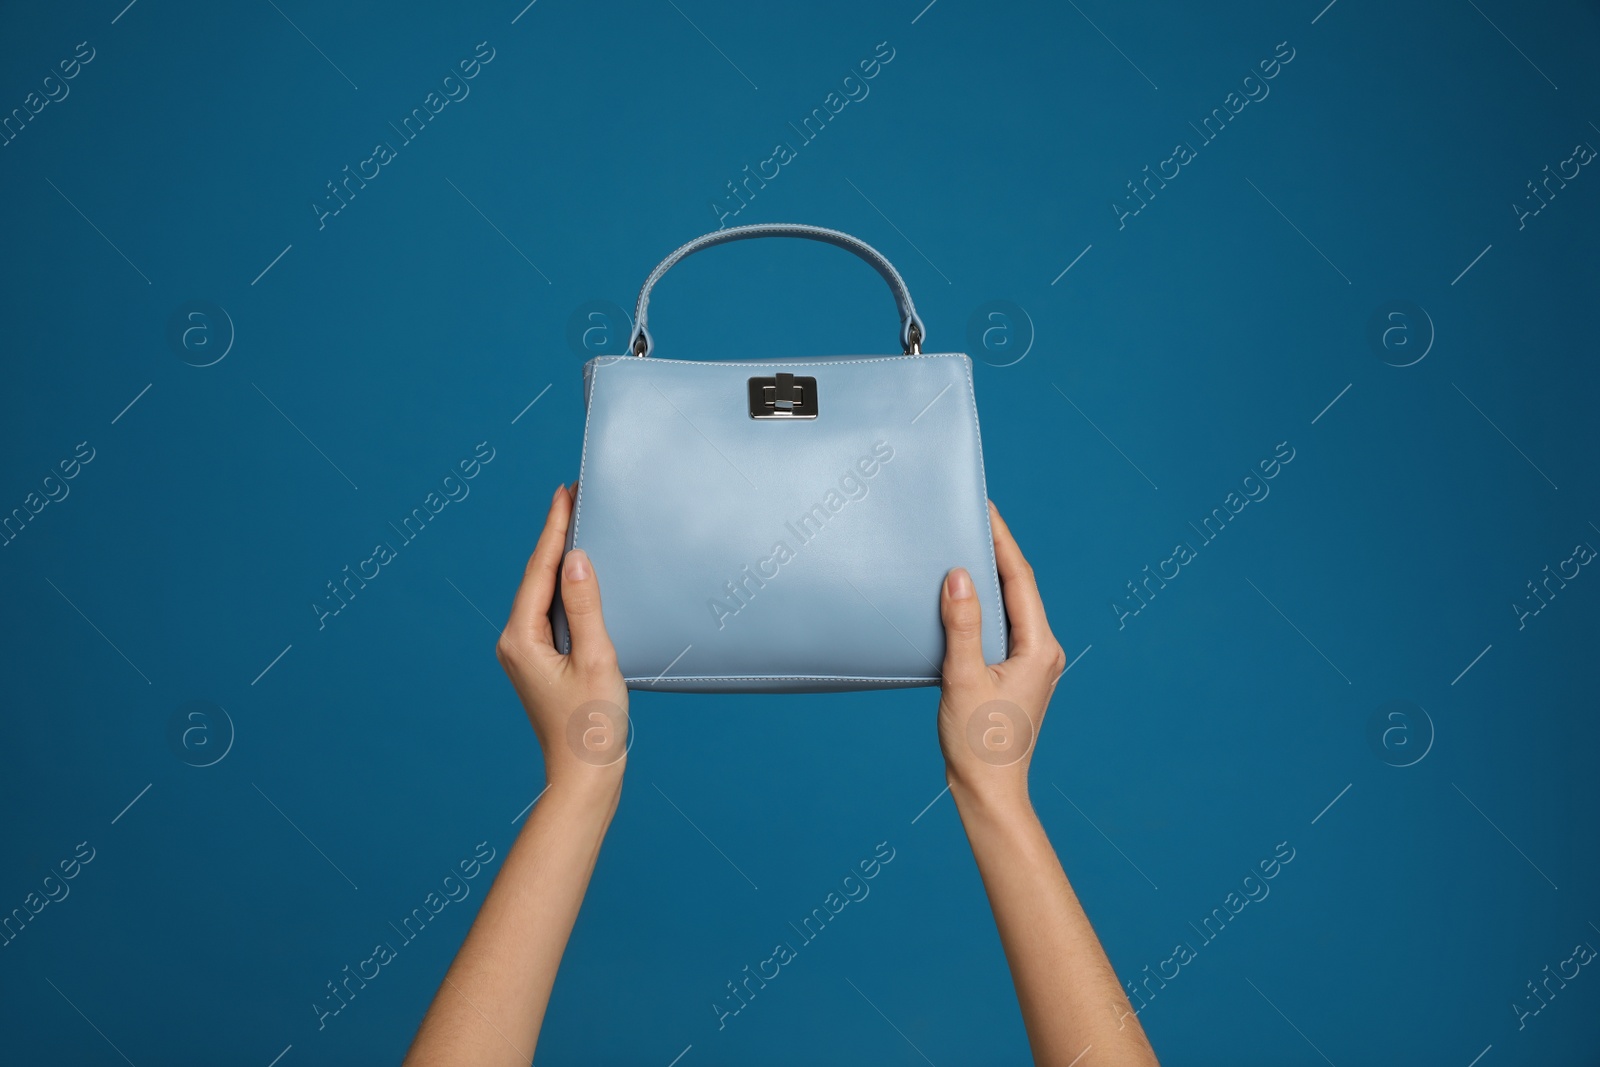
{"x": 577, "y": 568}
{"x": 960, "y": 584}
{"x": 556, "y": 493}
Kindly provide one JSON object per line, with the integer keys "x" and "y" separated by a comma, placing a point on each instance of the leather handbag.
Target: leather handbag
{"x": 782, "y": 524}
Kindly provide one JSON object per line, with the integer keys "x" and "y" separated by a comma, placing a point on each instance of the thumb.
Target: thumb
{"x": 580, "y": 599}
{"x": 963, "y": 629}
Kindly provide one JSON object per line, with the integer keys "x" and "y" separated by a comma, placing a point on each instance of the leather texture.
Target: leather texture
{"x": 742, "y": 554}
{"x": 912, "y": 331}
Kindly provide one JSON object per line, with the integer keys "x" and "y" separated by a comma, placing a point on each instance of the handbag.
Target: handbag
{"x": 782, "y": 525}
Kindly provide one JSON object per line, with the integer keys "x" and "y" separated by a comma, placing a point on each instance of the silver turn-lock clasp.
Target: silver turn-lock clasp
{"x": 783, "y": 396}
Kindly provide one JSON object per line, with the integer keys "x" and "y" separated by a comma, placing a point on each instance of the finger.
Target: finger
{"x": 530, "y": 610}
{"x": 580, "y": 598}
{"x": 963, "y": 629}
{"x": 1030, "y": 632}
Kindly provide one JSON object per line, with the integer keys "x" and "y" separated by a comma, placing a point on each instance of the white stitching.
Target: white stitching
{"x": 638, "y": 361}
{"x": 983, "y": 484}
{"x": 577, "y": 502}
{"x": 782, "y": 678}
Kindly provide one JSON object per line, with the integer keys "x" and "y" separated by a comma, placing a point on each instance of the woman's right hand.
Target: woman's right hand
{"x": 578, "y": 702}
{"x": 989, "y": 717}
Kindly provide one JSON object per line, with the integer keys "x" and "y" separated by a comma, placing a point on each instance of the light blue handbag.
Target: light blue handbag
{"x": 782, "y": 525}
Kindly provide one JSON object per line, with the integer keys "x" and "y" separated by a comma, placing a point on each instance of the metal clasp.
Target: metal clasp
{"x": 915, "y": 347}
{"x": 783, "y": 396}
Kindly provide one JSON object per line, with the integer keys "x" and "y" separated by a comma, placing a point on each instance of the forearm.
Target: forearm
{"x": 1069, "y": 994}
{"x": 491, "y": 1005}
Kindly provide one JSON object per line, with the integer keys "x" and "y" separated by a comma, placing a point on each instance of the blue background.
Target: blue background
{"x": 372, "y": 354}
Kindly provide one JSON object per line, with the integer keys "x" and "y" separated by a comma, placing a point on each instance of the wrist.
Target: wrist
{"x": 990, "y": 797}
{"x": 584, "y": 784}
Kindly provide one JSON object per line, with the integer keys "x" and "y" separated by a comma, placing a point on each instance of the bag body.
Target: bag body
{"x": 782, "y": 524}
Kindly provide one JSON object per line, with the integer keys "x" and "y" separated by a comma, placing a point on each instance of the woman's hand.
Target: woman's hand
{"x": 491, "y": 1005}
{"x": 577, "y": 703}
{"x": 989, "y": 717}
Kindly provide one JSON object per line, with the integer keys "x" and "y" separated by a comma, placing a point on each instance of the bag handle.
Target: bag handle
{"x": 911, "y": 329}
